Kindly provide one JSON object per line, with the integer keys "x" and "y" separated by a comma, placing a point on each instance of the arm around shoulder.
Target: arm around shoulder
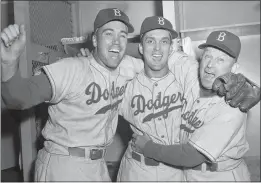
{"x": 183, "y": 155}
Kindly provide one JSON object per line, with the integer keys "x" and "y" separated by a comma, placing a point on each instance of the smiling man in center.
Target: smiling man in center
{"x": 153, "y": 103}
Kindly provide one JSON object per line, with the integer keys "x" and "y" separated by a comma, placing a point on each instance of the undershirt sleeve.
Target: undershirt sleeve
{"x": 178, "y": 155}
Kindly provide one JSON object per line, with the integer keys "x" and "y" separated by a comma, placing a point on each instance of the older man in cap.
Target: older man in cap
{"x": 213, "y": 134}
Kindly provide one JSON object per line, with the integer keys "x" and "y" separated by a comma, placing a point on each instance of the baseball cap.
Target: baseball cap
{"x": 157, "y": 22}
{"x": 106, "y": 15}
{"x": 224, "y": 41}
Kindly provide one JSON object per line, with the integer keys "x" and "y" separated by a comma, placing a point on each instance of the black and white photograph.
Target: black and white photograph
{"x": 130, "y": 91}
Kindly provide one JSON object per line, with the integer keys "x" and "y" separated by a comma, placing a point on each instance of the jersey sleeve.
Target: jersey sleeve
{"x": 185, "y": 68}
{"x": 23, "y": 93}
{"x": 131, "y": 66}
{"x": 217, "y": 136}
{"x": 64, "y": 76}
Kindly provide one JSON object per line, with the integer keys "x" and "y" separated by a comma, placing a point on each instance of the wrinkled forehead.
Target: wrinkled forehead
{"x": 115, "y": 25}
{"x": 215, "y": 52}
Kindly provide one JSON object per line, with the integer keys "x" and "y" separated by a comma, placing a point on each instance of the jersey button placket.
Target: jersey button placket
{"x": 108, "y": 125}
{"x": 159, "y": 120}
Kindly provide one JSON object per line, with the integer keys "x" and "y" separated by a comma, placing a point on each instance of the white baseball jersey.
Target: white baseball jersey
{"x": 85, "y": 100}
{"x": 219, "y": 132}
{"x": 83, "y": 113}
{"x": 154, "y": 106}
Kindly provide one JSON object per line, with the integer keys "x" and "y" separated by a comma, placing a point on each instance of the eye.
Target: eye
{"x": 207, "y": 57}
{"x": 220, "y": 60}
{"x": 165, "y": 41}
{"x": 149, "y": 41}
{"x": 108, "y": 33}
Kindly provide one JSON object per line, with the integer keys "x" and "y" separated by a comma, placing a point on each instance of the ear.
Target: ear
{"x": 234, "y": 68}
{"x": 94, "y": 40}
{"x": 140, "y": 48}
{"x": 171, "y": 48}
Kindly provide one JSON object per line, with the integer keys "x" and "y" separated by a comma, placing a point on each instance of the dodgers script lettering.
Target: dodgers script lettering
{"x": 96, "y": 94}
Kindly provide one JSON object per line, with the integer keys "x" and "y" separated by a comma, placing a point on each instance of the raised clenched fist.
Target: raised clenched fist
{"x": 13, "y": 40}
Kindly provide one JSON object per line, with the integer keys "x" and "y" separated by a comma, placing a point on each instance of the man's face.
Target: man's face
{"x": 213, "y": 64}
{"x": 110, "y": 42}
{"x": 156, "y": 47}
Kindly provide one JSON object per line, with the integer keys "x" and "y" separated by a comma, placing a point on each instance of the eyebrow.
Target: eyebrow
{"x": 154, "y": 38}
{"x": 166, "y": 38}
{"x": 124, "y": 32}
{"x": 109, "y": 29}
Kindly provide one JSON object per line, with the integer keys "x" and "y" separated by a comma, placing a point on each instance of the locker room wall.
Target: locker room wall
{"x": 218, "y": 13}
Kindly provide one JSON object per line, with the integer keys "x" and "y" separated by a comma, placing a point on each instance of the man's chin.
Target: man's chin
{"x": 113, "y": 66}
{"x": 157, "y": 67}
{"x": 207, "y": 84}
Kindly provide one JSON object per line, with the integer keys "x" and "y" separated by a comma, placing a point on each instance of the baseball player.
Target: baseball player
{"x": 152, "y": 104}
{"x": 84, "y": 95}
{"x": 213, "y": 133}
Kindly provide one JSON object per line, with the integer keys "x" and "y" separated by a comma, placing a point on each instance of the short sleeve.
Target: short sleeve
{"x": 64, "y": 76}
{"x": 216, "y": 135}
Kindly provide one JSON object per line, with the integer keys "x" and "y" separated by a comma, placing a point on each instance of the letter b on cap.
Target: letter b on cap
{"x": 117, "y": 12}
{"x": 221, "y": 36}
{"x": 161, "y": 21}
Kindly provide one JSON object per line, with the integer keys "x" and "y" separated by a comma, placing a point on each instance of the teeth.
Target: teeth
{"x": 209, "y": 75}
{"x": 114, "y": 50}
{"x": 157, "y": 55}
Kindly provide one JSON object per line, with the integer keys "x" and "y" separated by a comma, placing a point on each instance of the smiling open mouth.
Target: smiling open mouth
{"x": 209, "y": 75}
{"x": 114, "y": 50}
{"x": 114, "y": 53}
{"x": 157, "y": 56}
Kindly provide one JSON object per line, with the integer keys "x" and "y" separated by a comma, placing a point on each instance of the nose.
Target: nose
{"x": 157, "y": 46}
{"x": 211, "y": 63}
{"x": 116, "y": 39}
